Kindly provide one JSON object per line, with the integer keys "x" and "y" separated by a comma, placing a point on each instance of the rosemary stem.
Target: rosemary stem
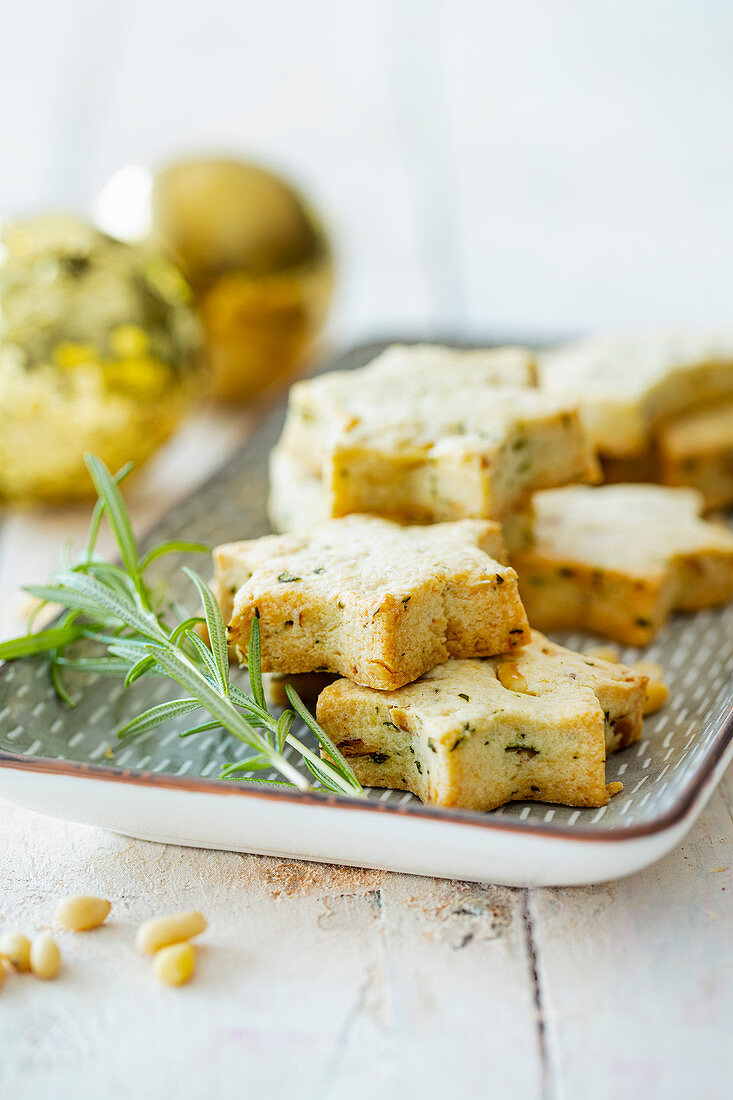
{"x": 289, "y": 772}
{"x": 324, "y": 766}
{"x": 253, "y": 738}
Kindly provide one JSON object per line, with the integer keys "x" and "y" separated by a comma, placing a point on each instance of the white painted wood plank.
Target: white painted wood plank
{"x": 274, "y": 983}
{"x": 454, "y": 994}
{"x": 635, "y": 976}
{"x": 315, "y": 981}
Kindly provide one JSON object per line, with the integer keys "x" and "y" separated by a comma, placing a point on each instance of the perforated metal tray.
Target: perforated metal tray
{"x": 666, "y": 776}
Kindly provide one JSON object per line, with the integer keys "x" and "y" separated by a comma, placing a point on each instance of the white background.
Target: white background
{"x": 486, "y": 166}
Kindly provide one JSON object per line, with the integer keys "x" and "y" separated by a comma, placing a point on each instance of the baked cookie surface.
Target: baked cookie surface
{"x": 630, "y": 382}
{"x": 296, "y": 500}
{"x": 371, "y": 600}
{"x": 697, "y": 450}
{"x": 474, "y": 734}
{"x": 421, "y": 439}
{"x": 617, "y": 559}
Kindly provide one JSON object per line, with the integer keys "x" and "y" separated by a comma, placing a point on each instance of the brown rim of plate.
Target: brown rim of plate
{"x": 682, "y": 805}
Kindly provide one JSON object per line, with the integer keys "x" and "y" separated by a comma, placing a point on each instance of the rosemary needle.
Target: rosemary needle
{"x": 113, "y": 606}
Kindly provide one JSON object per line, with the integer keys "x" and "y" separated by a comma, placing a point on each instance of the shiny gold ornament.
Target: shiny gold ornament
{"x": 97, "y": 349}
{"x": 255, "y": 254}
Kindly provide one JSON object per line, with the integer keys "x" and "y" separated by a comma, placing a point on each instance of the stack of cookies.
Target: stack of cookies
{"x": 425, "y": 435}
{"x": 397, "y": 489}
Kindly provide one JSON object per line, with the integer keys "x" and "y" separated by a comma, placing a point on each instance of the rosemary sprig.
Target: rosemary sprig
{"x": 114, "y": 606}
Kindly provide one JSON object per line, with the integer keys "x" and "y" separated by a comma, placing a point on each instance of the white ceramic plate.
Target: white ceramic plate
{"x": 57, "y": 761}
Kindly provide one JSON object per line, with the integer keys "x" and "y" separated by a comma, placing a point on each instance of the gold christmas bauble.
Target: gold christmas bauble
{"x": 98, "y": 347}
{"x": 254, "y": 252}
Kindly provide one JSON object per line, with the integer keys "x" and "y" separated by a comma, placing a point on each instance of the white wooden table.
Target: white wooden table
{"x": 486, "y": 167}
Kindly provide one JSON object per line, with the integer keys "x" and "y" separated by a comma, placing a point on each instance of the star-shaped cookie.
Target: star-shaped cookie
{"x": 371, "y": 600}
{"x": 421, "y": 438}
{"x": 475, "y": 734}
{"x": 617, "y": 559}
{"x": 628, "y": 383}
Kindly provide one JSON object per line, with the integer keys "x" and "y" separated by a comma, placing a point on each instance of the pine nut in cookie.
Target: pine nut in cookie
{"x": 511, "y": 678}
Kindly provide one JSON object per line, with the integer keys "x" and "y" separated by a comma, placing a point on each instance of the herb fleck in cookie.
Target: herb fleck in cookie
{"x": 618, "y": 559}
{"x": 371, "y": 600}
{"x": 475, "y": 734}
{"x": 422, "y": 438}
